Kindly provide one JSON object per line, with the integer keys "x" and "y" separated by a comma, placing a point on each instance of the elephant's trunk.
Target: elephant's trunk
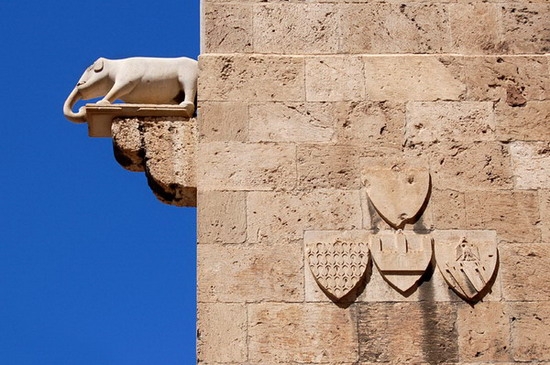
{"x": 79, "y": 117}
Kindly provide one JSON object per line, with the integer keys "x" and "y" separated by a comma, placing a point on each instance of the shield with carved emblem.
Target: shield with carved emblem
{"x": 467, "y": 260}
{"x": 398, "y": 194}
{"x": 338, "y": 259}
{"x": 401, "y": 257}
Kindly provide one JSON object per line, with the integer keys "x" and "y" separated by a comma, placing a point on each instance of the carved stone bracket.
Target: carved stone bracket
{"x": 158, "y": 140}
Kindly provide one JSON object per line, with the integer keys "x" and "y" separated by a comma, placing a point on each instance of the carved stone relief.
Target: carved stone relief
{"x": 338, "y": 260}
{"x": 401, "y": 257}
{"x": 467, "y": 260}
{"x": 398, "y": 195}
{"x": 138, "y": 80}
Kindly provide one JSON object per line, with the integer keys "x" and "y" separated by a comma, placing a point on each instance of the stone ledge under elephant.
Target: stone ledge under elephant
{"x": 139, "y": 80}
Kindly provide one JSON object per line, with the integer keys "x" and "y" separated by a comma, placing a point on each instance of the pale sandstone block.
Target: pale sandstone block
{"x": 395, "y": 28}
{"x": 246, "y": 166}
{"x": 470, "y": 166}
{"x": 223, "y": 121}
{"x": 513, "y": 214}
{"x": 290, "y": 213}
{"x": 475, "y": 28}
{"x": 528, "y": 123}
{"x": 484, "y": 332}
{"x": 330, "y": 166}
{"x": 450, "y": 121}
{"x": 410, "y": 78}
{"x": 379, "y": 123}
{"x": 506, "y": 78}
{"x": 530, "y": 331}
{"x": 526, "y": 27}
{"x": 221, "y": 335}
{"x": 531, "y": 163}
{"x": 221, "y": 217}
{"x": 292, "y": 122}
{"x": 250, "y": 273}
{"x": 449, "y": 209}
{"x": 251, "y": 78}
{"x": 316, "y": 333}
{"x": 310, "y": 28}
{"x": 227, "y": 27}
{"x": 524, "y": 271}
{"x": 408, "y": 333}
{"x": 334, "y": 78}
{"x": 545, "y": 214}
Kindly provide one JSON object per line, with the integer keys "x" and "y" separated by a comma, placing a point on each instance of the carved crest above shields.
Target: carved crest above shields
{"x": 401, "y": 257}
{"x": 467, "y": 260}
{"x": 338, "y": 260}
{"x": 398, "y": 194}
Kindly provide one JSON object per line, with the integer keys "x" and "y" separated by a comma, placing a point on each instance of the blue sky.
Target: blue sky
{"x": 93, "y": 269}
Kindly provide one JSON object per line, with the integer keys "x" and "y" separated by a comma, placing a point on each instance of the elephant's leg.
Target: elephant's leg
{"x": 190, "y": 90}
{"x": 117, "y": 91}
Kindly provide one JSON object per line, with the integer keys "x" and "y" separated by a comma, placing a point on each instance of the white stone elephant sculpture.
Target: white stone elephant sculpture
{"x": 137, "y": 80}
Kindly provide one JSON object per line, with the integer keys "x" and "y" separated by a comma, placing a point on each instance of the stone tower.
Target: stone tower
{"x": 373, "y": 182}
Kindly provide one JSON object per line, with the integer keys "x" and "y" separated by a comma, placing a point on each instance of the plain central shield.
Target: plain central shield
{"x": 398, "y": 195}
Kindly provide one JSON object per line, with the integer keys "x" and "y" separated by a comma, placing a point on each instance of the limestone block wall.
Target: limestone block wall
{"x": 296, "y": 100}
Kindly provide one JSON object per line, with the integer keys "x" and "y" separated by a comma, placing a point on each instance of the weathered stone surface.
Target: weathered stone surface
{"x": 251, "y": 78}
{"x": 449, "y": 209}
{"x": 286, "y": 333}
{"x": 513, "y": 214}
{"x": 246, "y": 166}
{"x": 484, "y": 332}
{"x": 335, "y": 78}
{"x": 310, "y": 28}
{"x": 222, "y": 333}
{"x": 525, "y": 273}
{"x": 227, "y": 27}
{"x": 250, "y": 273}
{"x": 395, "y": 28}
{"x": 371, "y": 122}
{"x": 526, "y": 27}
{"x": 544, "y": 196}
{"x": 528, "y": 123}
{"x": 490, "y": 77}
{"x": 470, "y": 166}
{"x": 530, "y": 331}
{"x": 404, "y": 333}
{"x": 223, "y": 121}
{"x": 128, "y": 144}
{"x": 329, "y": 166}
{"x": 221, "y": 217}
{"x": 410, "y": 78}
{"x": 531, "y": 163}
{"x": 449, "y": 121}
{"x": 475, "y": 28}
{"x": 288, "y": 214}
{"x": 165, "y": 149}
{"x": 292, "y": 122}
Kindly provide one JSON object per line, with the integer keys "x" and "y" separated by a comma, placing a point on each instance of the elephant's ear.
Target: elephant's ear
{"x": 98, "y": 65}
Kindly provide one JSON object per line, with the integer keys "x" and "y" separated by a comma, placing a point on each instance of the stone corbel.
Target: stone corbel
{"x": 159, "y": 140}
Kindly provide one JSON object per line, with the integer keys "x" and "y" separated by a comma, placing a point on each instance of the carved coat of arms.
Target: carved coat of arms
{"x": 467, "y": 260}
{"x": 338, "y": 260}
{"x": 398, "y": 195}
{"x": 401, "y": 257}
